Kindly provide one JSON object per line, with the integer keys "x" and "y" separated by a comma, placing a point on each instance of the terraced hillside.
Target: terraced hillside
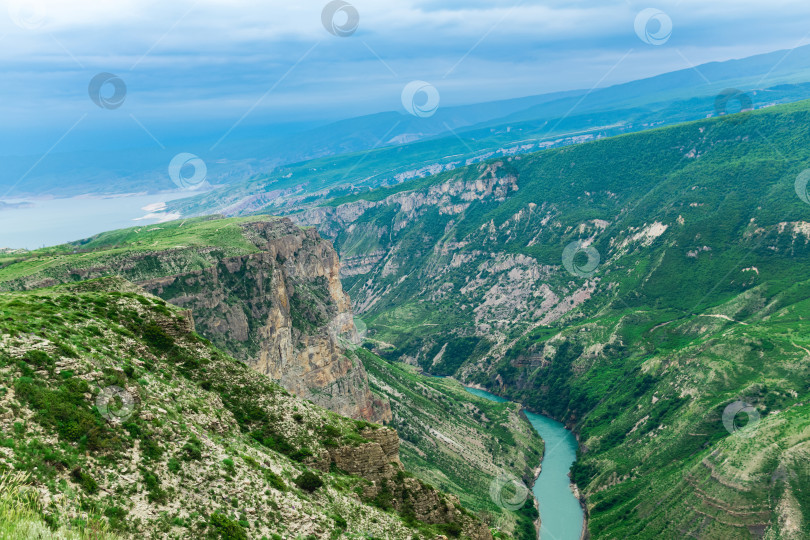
{"x": 127, "y": 421}
{"x": 634, "y": 288}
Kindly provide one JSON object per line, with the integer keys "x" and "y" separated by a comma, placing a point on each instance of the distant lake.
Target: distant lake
{"x": 33, "y": 223}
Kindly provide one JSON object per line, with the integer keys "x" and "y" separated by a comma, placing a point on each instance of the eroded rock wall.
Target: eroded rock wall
{"x": 283, "y": 311}
{"x": 378, "y": 461}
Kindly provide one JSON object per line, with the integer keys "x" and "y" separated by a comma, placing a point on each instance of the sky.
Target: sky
{"x": 216, "y": 70}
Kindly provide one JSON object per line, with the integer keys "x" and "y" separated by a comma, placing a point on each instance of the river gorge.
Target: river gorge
{"x": 561, "y": 515}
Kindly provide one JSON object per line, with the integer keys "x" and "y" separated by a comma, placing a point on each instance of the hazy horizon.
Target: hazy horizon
{"x": 211, "y": 71}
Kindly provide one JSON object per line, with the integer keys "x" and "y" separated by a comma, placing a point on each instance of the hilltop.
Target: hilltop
{"x": 262, "y": 289}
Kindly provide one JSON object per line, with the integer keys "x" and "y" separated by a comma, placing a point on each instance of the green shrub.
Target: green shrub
{"x": 150, "y": 449}
{"x": 192, "y": 450}
{"x": 85, "y": 480}
{"x": 340, "y": 522}
{"x": 451, "y": 529}
{"x": 221, "y": 526}
{"x": 117, "y": 517}
{"x": 155, "y": 492}
{"x": 331, "y": 431}
{"x": 156, "y": 337}
{"x": 274, "y": 480}
{"x": 66, "y": 350}
{"x": 301, "y": 454}
{"x": 309, "y": 481}
{"x": 67, "y": 410}
{"x": 39, "y": 359}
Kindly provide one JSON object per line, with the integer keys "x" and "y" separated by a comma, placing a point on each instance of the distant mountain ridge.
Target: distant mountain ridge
{"x": 686, "y": 95}
{"x": 233, "y": 162}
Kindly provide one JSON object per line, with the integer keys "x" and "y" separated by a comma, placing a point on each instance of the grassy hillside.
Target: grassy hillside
{"x": 459, "y": 442}
{"x": 649, "y": 408}
{"x": 634, "y": 288}
{"x": 432, "y": 423}
{"x": 127, "y": 422}
{"x": 207, "y": 235}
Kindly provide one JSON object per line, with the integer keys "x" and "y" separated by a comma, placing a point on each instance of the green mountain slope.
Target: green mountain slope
{"x": 459, "y": 442}
{"x": 554, "y": 122}
{"x": 681, "y": 292}
{"x": 441, "y": 439}
{"x": 128, "y": 421}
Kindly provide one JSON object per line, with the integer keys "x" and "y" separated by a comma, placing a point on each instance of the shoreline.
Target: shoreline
{"x": 101, "y": 196}
{"x": 536, "y": 473}
{"x": 537, "y": 522}
{"x": 584, "y": 535}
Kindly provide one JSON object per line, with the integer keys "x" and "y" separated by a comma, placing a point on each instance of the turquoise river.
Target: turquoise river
{"x": 561, "y": 515}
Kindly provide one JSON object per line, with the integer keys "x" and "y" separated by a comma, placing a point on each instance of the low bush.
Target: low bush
{"x": 309, "y": 481}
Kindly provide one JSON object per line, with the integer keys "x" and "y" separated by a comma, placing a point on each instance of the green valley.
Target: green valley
{"x": 459, "y": 442}
{"x": 682, "y": 293}
{"x": 405, "y": 270}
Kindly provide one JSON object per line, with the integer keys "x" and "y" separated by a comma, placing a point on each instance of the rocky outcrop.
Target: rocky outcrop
{"x": 277, "y": 305}
{"x": 378, "y": 461}
{"x": 452, "y": 197}
{"x": 283, "y": 311}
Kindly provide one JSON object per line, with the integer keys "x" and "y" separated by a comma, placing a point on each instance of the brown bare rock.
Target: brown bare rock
{"x": 378, "y": 461}
{"x": 283, "y": 311}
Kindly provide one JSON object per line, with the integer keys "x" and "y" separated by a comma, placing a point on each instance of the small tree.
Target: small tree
{"x": 309, "y": 481}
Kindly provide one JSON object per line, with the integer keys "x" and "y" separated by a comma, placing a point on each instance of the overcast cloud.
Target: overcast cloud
{"x": 193, "y": 69}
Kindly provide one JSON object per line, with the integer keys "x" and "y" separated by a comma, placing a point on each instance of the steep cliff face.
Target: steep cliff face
{"x": 283, "y": 311}
{"x": 276, "y": 302}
